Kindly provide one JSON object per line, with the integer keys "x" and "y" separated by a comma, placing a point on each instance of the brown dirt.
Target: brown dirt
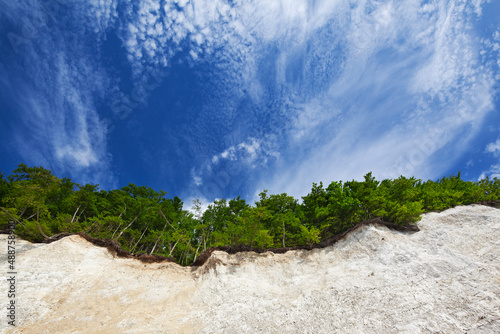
{"x": 114, "y": 248}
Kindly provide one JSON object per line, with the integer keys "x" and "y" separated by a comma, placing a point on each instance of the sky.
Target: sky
{"x": 223, "y": 98}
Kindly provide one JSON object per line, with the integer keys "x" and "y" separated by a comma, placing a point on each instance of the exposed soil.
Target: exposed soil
{"x": 371, "y": 279}
{"x": 114, "y": 248}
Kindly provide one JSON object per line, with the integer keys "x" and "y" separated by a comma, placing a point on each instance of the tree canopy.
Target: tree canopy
{"x": 144, "y": 220}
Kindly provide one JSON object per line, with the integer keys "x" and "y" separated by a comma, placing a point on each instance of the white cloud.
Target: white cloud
{"x": 224, "y": 154}
{"x": 494, "y": 148}
{"x": 252, "y": 152}
{"x": 64, "y": 126}
{"x": 388, "y": 86}
{"x": 410, "y": 96}
{"x": 101, "y": 13}
{"x": 197, "y": 180}
{"x": 219, "y": 23}
{"x": 251, "y": 149}
{"x": 494, "y": 170}
{"x": 216, "y": 173}
{"x": 60, "y": 127}
{"x": 83, "y": 157}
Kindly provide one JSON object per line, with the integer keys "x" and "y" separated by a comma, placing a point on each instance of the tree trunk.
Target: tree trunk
{"x": 157, "y": 240}
{"x": 283, "y": 222}
{"x": 167, "y": 220}
{"x": 170, "y": 253}
{"x": 205, "y": 242}
{"x": 119, "y": 225}
{"x": 131, "y": 242}
{"x": 74, "y": 215}
{"x": 124, "y": 209}
{"x": 79, "y": 215}
{"x": 22, "y": 212}
{"x": 255, "y": 232}
{"x": 18, "y": 221}
{"x": 196, "y": 253}
{"x": 142, "y": 235}
{"x": 133, "y": 221}
{"x": 156, "y": 243}
{"x": 38, "y": 224}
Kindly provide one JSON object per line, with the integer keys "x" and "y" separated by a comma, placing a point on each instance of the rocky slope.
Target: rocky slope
{"x": 443, "y": 279}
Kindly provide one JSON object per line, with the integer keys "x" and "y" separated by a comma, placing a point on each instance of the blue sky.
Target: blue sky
{"x": 211, "y": 99}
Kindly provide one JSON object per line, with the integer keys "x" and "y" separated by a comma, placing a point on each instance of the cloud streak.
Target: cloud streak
{"x": 56, "y": 93}
{"x": 410, "y": 96}
{"x": 275, "y": 94}
{"x": 392, "y": 87}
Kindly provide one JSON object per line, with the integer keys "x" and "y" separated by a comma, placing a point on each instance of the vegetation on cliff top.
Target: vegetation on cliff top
{"x": 144, "y": 220}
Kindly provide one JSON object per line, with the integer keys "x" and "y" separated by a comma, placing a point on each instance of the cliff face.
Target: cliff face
{"x": 445, "y": 278}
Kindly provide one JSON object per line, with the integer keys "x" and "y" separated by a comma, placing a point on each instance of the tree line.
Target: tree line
{"x": 143, "y": 220}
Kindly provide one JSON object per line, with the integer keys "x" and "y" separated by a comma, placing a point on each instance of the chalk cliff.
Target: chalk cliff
{"x": 443, "y": 279}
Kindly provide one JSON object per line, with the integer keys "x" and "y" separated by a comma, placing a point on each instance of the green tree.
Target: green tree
{"x": 283, "y": 223}
{"x": 33, "y": 192}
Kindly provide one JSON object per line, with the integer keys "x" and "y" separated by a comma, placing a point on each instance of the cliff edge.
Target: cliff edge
{"x": 444, "y": 278}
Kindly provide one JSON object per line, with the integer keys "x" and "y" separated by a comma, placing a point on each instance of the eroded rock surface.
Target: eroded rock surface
{"x": 443, "y": 279}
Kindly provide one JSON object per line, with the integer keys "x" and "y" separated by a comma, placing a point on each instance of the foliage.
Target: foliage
{"x": 145, "y": 220}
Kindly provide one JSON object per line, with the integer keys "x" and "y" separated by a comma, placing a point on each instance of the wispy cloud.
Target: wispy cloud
{"x": 494, "y": 171}
{"x": 410, "y": 95}
{"x": 293, "y": 91}
{"x": 393, "y": 87}
{"x": 492, "y": 149}
{"x": 250, "y": 152}
{"x": 237, "y": 161}
{"x": 57, "y": 99}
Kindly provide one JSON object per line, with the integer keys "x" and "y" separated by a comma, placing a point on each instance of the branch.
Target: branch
{"x": 37, "y": 224}
{"x": 139, "y": 239}
{"x": 124, "y": 209}
{"x": 171, "y": 250}
{"x": 167, "y": 220}
{"x": 156, "y": 243}
{"x": 75, "y": 213}
{"x": 157, "y": 240}
{"x": 115, "y": 231}
{"x": 22, "y": 212}
{"x": 13, "y": 217}
{"x": 79, "y": 215}
{"x": 133, "y": 220}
